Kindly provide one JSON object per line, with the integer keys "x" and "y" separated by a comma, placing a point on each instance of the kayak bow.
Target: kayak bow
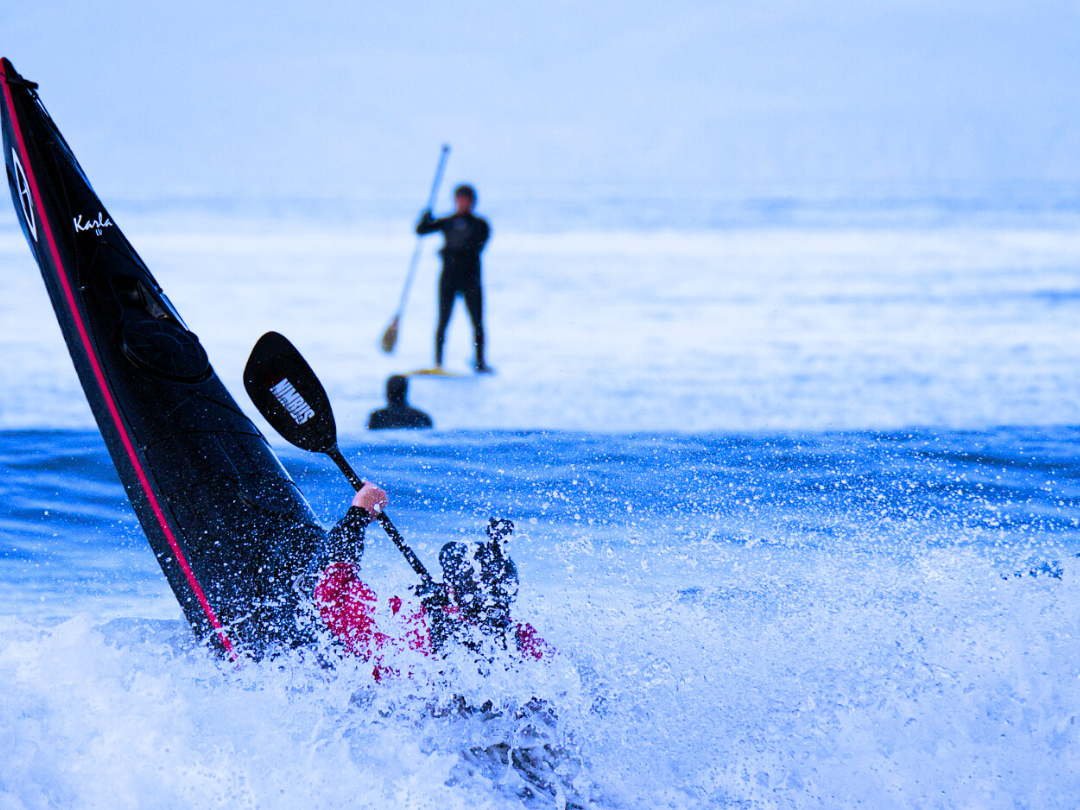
{"x": 227, "y": 524}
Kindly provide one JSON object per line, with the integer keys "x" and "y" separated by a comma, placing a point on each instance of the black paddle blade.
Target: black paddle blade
{"x": 289, "y": 395}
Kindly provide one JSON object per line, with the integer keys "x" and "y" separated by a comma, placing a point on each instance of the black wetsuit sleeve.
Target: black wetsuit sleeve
{"x": 428, "y": 224}
{"x": 345, "y": 542}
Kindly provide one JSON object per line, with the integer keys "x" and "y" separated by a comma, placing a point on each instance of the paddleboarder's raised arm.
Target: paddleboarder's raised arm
{"x": 428, "y": 223}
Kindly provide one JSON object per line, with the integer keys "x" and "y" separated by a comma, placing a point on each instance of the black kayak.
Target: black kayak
{"x": 228, "y": 525}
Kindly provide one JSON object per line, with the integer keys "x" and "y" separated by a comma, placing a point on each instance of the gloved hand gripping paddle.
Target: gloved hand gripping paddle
{"x": 291, "y": 398}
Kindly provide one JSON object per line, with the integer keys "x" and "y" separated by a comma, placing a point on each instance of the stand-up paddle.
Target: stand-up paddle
{"x": 289, "y": 395}
{"x": 389, "y": 338}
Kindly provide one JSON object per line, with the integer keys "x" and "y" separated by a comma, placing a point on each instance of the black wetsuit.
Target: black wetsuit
{"x": 398, "y": 414}
{"x": 398, "y": 417}
{"x": 344, "y": 542}
{"x": 466, "y": 235}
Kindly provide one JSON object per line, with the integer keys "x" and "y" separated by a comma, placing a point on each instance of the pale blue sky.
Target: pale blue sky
{"x": 276, "y": 99}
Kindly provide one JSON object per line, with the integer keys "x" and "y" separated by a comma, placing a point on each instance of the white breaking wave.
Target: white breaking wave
{"x": 797, "y": 680}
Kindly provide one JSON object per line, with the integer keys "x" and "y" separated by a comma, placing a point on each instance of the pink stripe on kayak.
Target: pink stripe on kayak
{"x": 125, "y": 437}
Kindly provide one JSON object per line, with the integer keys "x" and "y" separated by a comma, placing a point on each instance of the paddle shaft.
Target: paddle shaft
{"x": 382, "y": 517}
{"x": 282, "y": 385}
{"x": 416, "y": 251}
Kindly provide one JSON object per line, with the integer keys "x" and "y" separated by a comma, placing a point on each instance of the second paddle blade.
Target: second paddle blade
{"x": 289, "y": 395}
{"x": 389, "y": 338}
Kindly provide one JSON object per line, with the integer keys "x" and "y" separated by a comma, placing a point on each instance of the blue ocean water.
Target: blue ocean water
{"x": 744, "y": 620}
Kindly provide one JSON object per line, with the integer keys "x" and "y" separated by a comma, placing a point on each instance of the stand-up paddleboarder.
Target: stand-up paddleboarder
{"x": 465, "y": 235}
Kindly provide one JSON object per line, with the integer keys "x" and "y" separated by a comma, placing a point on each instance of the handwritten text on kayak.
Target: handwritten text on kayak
{"x": 102, "y": 221}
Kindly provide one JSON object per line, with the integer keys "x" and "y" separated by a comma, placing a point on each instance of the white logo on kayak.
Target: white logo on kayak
{"x": 291, "y": 401}
{"x": 102, "y": 221}
{"x": 23, "y": 188}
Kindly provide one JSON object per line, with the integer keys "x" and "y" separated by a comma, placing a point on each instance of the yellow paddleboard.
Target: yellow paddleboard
{"x": 435, "y": 371}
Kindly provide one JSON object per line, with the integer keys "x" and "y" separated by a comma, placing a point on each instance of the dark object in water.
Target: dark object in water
{"x": 483, "y": 578}
{"x": 398, "y": 414}
{"x": 1039, "y": 568}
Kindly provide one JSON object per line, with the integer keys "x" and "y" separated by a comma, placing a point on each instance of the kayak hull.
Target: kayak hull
{"x": 227, "y": 524}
